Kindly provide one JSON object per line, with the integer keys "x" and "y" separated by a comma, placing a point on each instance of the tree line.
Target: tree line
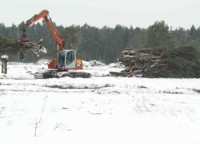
{"x": 106, "y": 43}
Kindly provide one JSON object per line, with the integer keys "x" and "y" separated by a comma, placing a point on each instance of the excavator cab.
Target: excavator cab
{"x": 66, "y": 60}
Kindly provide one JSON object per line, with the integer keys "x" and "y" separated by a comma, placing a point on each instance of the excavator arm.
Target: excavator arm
{"x": 42, "y": 15}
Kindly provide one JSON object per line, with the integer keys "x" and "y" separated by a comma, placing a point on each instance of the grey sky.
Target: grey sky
{"x": 138, "y": 13}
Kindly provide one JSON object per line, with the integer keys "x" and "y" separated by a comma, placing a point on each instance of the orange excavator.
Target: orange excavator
{"x": 66, "y": 59}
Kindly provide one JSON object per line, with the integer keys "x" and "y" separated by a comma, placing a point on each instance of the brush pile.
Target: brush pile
{"x": 181, "y": 62}
{"x": 17, "y": 51}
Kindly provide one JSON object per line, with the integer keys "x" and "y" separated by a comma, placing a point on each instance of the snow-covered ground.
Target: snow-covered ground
{"x": 98, "y": 110}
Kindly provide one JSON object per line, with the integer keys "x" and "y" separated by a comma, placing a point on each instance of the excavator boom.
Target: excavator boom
{"x": 54, "y": 33}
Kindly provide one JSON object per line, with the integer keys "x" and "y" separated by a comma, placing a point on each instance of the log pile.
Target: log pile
{"x": 161, "y": 62}
{"x": 141, "y": 62}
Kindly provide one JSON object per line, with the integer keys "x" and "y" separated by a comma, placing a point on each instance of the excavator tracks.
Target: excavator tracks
{"x": 59, "y": 74}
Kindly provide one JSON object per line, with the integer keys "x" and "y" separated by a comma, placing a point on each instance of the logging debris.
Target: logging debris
{"x": 180, "y": 62}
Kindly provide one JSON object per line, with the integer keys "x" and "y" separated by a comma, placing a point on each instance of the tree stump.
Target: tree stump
{"x": 4, "y": 61}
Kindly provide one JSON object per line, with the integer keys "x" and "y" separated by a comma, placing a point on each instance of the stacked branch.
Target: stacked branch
{"x": 161, "y": 62}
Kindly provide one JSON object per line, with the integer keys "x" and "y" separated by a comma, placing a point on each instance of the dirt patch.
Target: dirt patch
{"x": 142, "y": 87}
{"x": 171, "y": 92}
{"x": 196, "y": 90}
{"x": 79, "y": 87}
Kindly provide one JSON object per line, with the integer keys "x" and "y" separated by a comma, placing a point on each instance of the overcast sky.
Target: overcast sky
{"x": 136, "y": 13}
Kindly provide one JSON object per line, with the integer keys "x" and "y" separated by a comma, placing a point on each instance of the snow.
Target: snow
{"x": 100, "y": 109}
{"x": 4, "y": 57}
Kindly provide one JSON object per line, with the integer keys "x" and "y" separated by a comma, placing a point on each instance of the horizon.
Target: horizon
{"x": 170, "y": 27}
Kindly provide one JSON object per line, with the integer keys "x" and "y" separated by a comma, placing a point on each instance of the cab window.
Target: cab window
{"x": 61, "y": 60}
{"x": 70, "y": 57}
